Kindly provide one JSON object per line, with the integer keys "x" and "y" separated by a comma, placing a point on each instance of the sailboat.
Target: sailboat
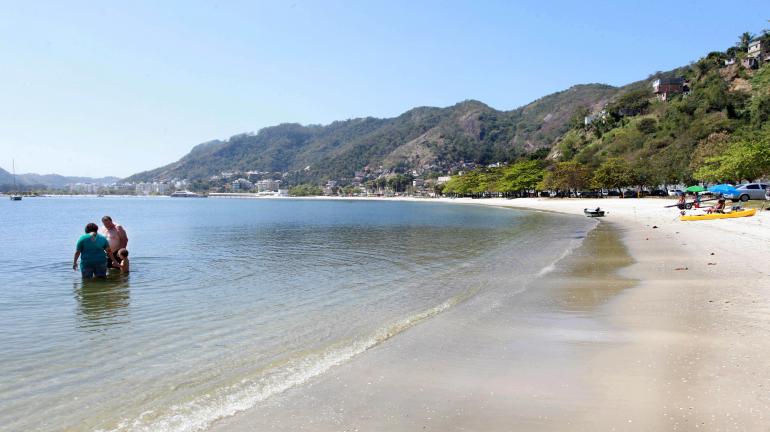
{"x": 14, "y": 197}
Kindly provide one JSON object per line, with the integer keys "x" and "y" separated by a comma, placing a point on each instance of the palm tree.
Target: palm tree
{"x": 743, "y": 41}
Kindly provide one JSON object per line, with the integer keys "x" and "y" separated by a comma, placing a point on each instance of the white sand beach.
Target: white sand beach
{"x": 677, "y": 340}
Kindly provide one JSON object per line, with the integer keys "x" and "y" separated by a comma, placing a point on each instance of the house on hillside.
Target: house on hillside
{"x": 663, "y": 87}
{"x": 759, "y": 50}
{"x": 589, "y": 119}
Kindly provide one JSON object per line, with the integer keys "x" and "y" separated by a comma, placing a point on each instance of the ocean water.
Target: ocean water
{"x": 230, "y": 302}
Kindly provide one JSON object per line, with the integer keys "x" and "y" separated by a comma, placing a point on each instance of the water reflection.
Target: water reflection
{"x": 102, "y": 303}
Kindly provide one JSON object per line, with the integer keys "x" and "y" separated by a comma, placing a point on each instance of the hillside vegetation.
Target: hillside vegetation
{"x": 37, "y": 182}
{"x": 468, "y": 131}
{"x": 717, "y": 132}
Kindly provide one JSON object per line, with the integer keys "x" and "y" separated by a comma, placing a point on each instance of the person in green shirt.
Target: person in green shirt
{"x": 93, "y": 250}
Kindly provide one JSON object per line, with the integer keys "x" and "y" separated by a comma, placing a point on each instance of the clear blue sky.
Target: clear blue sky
{"x": 113, "y": 88}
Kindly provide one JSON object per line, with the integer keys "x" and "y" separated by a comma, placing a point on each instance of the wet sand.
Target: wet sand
{"x": 528, "y": 362}
{"x": 649, "y": 333}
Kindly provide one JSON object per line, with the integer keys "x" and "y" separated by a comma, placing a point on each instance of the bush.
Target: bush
{"x": 647, "y": 126}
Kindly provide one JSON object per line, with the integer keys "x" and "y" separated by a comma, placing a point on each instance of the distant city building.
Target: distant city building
{"x": 268, "y": 185}
{"x": 85, "y": 188}
{"x": 154, "y": 188}
{"x": 443, "y": 179}
{"x": 330, "y": 187}
{"x": 242, "y": 184}
{"x": 123, "y": 188}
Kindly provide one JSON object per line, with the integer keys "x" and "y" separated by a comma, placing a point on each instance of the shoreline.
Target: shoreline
{"x": 447, "y": 360}
{"x": 698, "y": 319}
{"x": 684, "y": 348}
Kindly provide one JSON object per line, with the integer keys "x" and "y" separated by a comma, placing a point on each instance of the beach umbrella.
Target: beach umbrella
{"x": 724, "y": 189}
{"x": 695, "y": 188}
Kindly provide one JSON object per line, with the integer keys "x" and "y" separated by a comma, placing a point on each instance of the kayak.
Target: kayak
{"x": 710, "y": 216}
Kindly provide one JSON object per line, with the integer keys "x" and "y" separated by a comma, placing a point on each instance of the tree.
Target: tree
{"x": 743, "y": 41}
{"x": 400, "y": 182}
{"x": 466, "y": 184}
{"x": 614, "y": 173}
{"x": 567, "y": 176}
{"x": 634, "y": 101}
{"x": 647, "y": 126}
{"x": 520, "y": 176}
{"x": 745, "y": 159}
{"x": 305, "y": 190}
{"x": 577, "y": 121}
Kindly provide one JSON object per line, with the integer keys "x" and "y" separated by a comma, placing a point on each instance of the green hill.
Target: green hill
{"x": 685, "y": 138}
{"x": 45, "y": 181}
{"x": 709, "y": 122}
{"x": 699, "y": 134}
{"x": 467, "y": 131}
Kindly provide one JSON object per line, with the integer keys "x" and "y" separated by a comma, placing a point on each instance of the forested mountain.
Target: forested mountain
{"x": 707, "y": 122}
{"x": 53, "y": 181}
{"x": 680, "y": 139}
{"x": 468, "y": 131}
{"x": 716, "y": 131}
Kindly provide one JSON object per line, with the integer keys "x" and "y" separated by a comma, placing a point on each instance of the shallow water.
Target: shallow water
{"x": 232, "y": 301}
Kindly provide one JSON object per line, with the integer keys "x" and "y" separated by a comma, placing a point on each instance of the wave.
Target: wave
{"x": 201, "y": 412}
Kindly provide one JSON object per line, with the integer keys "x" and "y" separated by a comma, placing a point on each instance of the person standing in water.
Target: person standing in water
{"x": 94, "y": 249}
{"x": 123, "y": 257}
{"x": 117, "y": 238}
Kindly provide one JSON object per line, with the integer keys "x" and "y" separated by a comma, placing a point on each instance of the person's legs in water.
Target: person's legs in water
{"x": 87, "y": 272}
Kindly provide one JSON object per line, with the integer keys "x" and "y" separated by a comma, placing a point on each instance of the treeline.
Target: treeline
{"x": 526, "y": 177}
{"x": 305, "y": 190}
{"x": 517, "y": 179}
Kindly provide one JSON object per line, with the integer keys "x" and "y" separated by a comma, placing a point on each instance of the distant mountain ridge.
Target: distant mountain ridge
{"x": 50, "y": 180}
{"x": 467, "y": 131}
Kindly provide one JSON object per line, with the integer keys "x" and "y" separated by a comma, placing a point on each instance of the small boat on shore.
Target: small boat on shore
{"x": 713, "y": 216}
{"x": 597, "y": 212}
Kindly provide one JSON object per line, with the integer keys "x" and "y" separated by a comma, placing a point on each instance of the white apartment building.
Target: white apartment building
{"x": 268, "y": 185}
{"x": 154, "y": 188}
{"x": 242, "y": 184}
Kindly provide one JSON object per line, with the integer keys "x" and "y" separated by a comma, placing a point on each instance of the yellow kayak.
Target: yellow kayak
{"x": 732, "y": 214}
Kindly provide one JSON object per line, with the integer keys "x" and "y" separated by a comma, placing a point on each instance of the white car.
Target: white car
{"x": 674, "y": 192}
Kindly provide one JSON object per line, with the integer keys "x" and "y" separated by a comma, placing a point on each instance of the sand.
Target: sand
{"x": 653, "y": 324}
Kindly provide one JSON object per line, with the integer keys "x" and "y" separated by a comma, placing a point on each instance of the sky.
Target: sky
{"x": 115, "y": 88}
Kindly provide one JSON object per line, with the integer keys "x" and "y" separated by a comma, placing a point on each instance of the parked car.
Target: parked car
{"x": 631, "y": 193}
{"x": 674, "y": 192}
{"x": 658, "y": 193}
{"x": 589, "y": 194}
{"x": 748, "y": 191}
{"x": 613, "y": 193}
